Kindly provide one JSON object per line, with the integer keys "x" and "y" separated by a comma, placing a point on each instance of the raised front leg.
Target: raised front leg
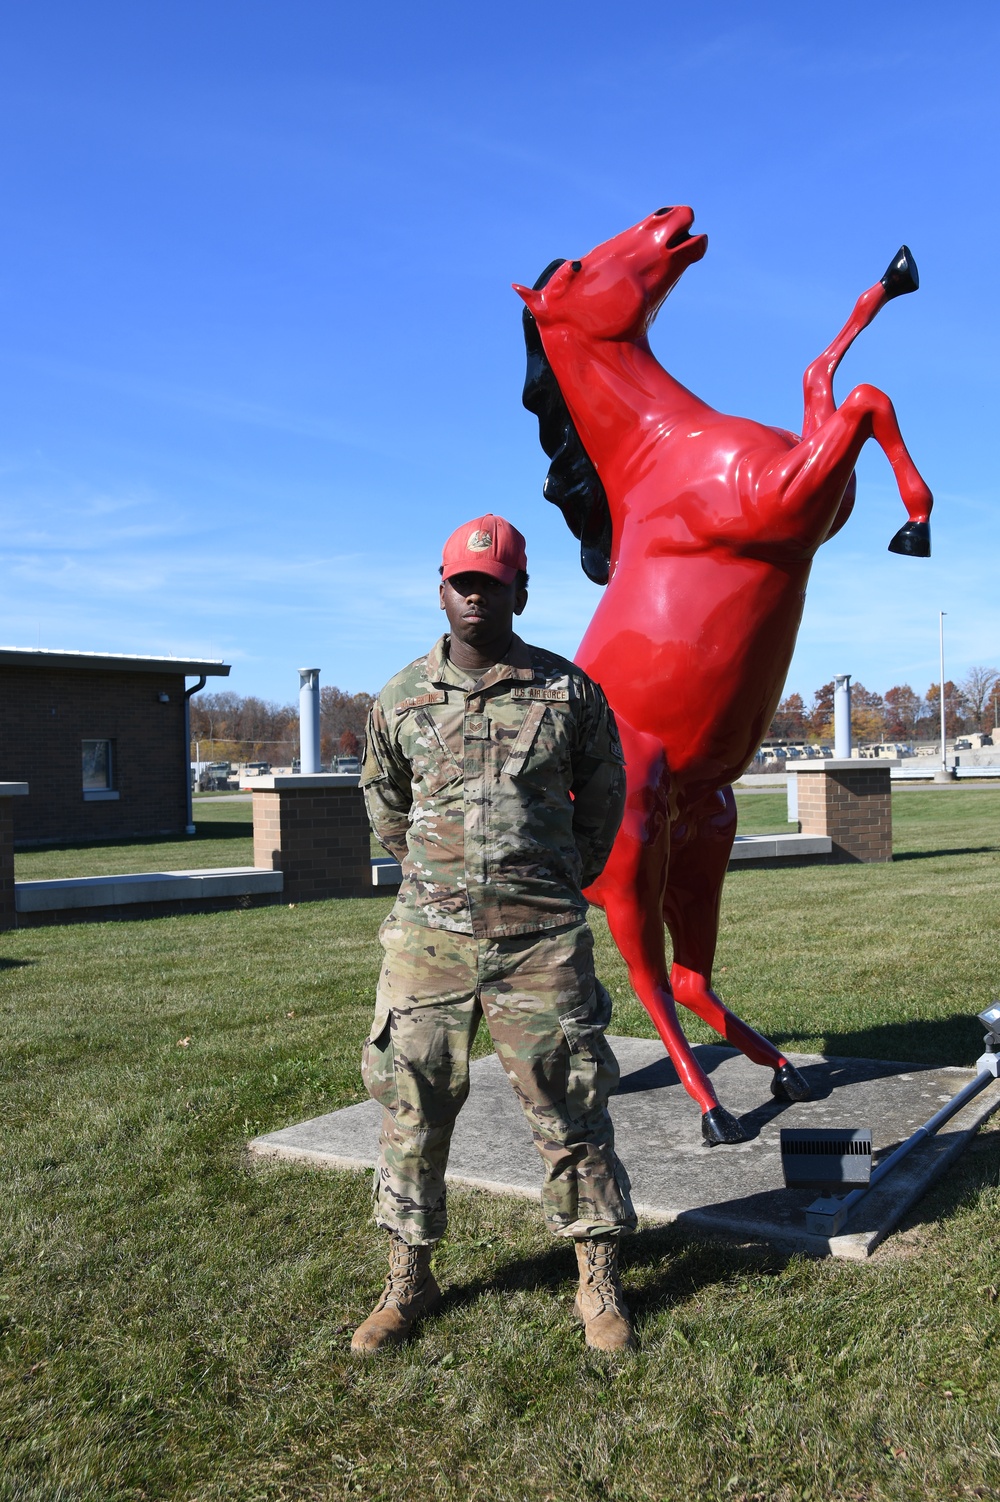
{"x": 631, "y": 891}
{"x": 819, "y": 407}
{"x": 699, "y": 858}
{"x": 817, "y": 383}
{"x": 800, "y": 494}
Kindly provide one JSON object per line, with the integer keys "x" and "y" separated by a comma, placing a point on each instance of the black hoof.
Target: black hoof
{"x": 901, "y": 274}
{"x": 913, "y": 539}
{"x": 788, "y": 1084}
{"x": 719, "y": 1126}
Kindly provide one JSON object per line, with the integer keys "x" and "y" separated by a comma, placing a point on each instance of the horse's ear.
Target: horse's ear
{"x": 533, "y": 300}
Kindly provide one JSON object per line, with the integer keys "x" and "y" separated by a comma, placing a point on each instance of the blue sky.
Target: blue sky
{"x": 259, "y": 351}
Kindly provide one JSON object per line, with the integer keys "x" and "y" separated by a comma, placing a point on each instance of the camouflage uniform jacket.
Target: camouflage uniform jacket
{"x": 468, "y": 782}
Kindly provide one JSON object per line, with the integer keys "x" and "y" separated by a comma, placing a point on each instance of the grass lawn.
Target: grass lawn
{"x": 175, "y": 1323}
{"x": 224, "y": 838}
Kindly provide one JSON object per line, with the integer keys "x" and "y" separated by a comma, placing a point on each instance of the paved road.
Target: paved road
{"x": 776, "y": 787}
{"x": 901, "y": 787}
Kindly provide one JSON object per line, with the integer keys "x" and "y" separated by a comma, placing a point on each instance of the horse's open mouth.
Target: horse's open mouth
{"x": 678, "y": 238}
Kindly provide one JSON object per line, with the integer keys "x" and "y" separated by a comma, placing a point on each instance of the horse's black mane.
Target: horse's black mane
{"x": 572, "y": 482}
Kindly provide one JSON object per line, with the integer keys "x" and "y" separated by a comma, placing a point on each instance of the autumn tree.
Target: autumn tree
{"x": 348, "y": 745}
{"x": 231, "y": 728}
{"x": 867, "y": 714}
{"x": 212, "y": 714}
{"x": 789, "y": 721}
{"x": 955, "y": 707}
{"x": 340, "y": 712}
{"x": 978, "y": 688}
{"x": 821, "y": 714}
{"x": 903, "y": 709}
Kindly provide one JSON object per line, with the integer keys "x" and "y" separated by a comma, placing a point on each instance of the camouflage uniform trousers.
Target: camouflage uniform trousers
{"x": 546, "y": 1013}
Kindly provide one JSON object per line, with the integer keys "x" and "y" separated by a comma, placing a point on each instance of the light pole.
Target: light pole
{"x": 944, "y": 748}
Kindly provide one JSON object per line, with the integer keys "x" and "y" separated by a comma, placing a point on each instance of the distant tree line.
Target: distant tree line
{"x": 240, "y": 729}
{"x": 900, "y": 714}
{"x": 232, "y": 728}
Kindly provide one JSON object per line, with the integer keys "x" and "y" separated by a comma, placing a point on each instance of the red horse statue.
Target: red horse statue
{"x": 703, "y": 527}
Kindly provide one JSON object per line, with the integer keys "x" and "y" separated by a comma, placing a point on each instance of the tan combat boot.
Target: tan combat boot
{"x": 410, "y": 1291}
{"x": 600, "y": 1302}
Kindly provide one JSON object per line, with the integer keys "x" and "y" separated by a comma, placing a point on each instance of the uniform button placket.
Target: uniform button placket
{"x": 474, "y": 864}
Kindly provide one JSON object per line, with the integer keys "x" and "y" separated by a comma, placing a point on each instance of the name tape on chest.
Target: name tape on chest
{"x": 546, "y": 695}
{"x": 436, "y": 696}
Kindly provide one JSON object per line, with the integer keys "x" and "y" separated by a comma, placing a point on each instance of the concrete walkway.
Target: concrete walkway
{"x": 730, "y": 1191}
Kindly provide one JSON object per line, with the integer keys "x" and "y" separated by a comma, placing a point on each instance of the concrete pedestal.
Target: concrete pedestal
{"x": 848, "y": 800}
{"x": 314, "y": 830}
{"x": 8, "y": 790}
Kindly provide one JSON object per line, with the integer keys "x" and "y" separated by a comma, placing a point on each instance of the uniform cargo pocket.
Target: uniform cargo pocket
{"x": 433, "y": 762}
{"x": 593, "y": 1069}
{"x": 587, "y": 1021}
{"x": 523, "y": 743}
{"x": 378, "y": 1064}
{"x": 372, "y": 770}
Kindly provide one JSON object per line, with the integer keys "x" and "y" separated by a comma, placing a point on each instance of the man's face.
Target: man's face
{"x": 480, "y": 609}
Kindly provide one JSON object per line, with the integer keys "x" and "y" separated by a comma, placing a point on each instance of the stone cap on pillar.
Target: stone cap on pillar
{"x": 281, "y": 782}
{"x": 13, "y": 789}
{"x": 841, "y": 764}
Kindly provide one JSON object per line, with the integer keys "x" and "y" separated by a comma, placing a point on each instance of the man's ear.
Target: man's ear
{"x": 534, "y": 300}
{"x": 441, "y": 595}
{"x": 520, "y": 600}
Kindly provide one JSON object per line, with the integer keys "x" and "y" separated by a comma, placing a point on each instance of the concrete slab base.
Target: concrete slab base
{"x": 729, "y": 1191}
{"x": 770, "y": 848}
{"x": 144, "y": 887}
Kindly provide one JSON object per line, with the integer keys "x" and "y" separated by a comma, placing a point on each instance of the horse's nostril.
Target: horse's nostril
{"x": 658, "y": 212}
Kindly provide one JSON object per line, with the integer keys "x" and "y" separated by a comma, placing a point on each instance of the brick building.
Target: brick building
{"x": 102, "y": 742}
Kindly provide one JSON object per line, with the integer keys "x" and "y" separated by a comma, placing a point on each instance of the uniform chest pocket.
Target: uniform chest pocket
{"x": 541, "y": 743}
{"x": 432, "y": 759}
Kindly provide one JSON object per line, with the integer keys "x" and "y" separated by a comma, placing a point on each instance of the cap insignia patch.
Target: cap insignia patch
{"x": 480, "y": 542}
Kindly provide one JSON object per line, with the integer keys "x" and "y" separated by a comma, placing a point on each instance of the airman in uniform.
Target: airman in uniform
{"x": 493, "y": 772}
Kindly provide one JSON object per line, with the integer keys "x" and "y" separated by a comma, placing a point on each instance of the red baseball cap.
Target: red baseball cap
{"x": 489, "y": 545}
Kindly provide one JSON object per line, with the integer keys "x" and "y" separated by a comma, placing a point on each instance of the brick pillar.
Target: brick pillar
{"x": 851, "y": 801}
{"x": 315, "y": 830}
{"x": 8, "y": 913}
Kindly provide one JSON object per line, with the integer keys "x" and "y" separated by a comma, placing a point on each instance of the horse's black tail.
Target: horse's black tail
{"x": 572, "y": 482}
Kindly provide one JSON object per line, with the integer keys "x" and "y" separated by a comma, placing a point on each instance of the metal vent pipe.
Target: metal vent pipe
{"x": 842, "y": 716}
{"x": 309, "y": 721}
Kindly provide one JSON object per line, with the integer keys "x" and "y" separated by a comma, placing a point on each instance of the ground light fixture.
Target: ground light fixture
{"x": 835, "y": 1160}
{"x": 828, "y": 1158}
{"x": 991, "y": 1022}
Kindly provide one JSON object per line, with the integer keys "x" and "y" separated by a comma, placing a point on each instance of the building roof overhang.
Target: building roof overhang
{"x": 120, "y": 662}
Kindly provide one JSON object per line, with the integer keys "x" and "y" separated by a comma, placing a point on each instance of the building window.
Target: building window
{"x": 98, "y": 771}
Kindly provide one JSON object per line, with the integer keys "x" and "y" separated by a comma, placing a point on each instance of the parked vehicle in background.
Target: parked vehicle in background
{"x": 215, "y": 778}
{"x": 351, "y": 764}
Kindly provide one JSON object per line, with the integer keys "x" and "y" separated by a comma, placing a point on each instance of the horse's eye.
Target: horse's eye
{"x": 576, "y": 265}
